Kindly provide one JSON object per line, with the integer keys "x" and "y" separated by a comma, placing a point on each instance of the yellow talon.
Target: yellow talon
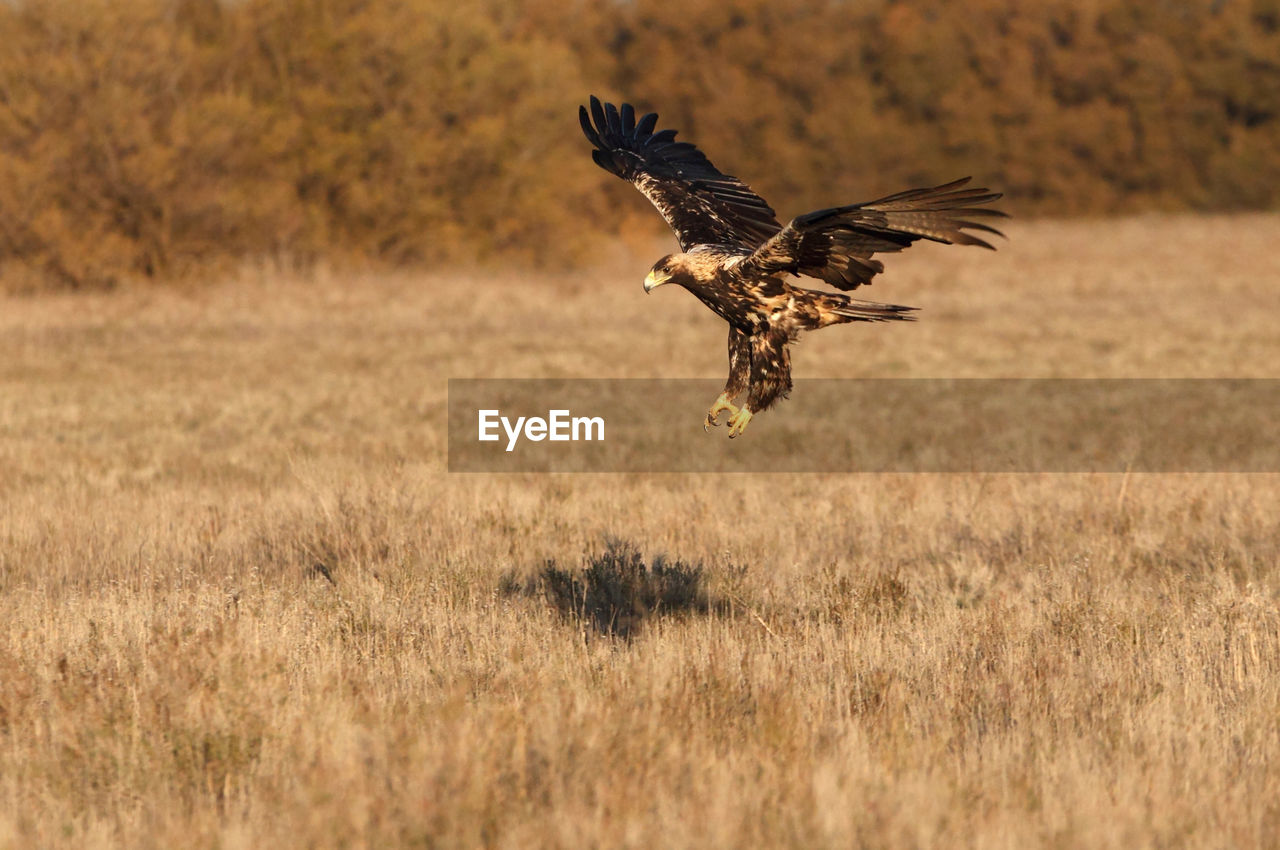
{"x": 738, "y": 423}
{"x": 721, "y": 405}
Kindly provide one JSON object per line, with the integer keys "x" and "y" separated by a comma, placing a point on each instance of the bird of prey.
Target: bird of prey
{"x": 736, "y": 258}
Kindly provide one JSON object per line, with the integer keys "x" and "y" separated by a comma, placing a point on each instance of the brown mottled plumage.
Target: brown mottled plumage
{"x": 736, "y": 255}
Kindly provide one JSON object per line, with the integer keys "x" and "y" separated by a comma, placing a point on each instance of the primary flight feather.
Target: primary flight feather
{"x": 735, "y": 256}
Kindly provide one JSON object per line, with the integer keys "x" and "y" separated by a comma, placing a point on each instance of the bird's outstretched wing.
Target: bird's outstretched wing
{"x": 836, "y": 244}
{"x": 703, "y": 206}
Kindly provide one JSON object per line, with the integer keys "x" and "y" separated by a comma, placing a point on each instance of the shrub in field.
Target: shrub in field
{"x": 616, "y": 591}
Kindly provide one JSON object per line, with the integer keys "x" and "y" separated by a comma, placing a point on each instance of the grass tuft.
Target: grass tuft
{"x": 616, "y": 592}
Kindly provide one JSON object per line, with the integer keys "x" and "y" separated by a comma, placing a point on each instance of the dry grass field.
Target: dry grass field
{"x": 242, "y": 603}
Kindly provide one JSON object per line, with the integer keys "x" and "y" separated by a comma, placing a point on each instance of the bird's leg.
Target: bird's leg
{"x": 738, "y": 422}
{"x": 720, "y": 405}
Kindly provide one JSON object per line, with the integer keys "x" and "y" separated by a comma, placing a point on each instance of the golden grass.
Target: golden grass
{"x": 976, "y": 660}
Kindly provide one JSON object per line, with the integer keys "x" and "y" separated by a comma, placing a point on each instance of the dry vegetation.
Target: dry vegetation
{"x": 161, "y": 138}
{"x": 243, "y": 605}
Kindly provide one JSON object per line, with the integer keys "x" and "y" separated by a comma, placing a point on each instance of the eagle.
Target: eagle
{"x": 737, "y": 259}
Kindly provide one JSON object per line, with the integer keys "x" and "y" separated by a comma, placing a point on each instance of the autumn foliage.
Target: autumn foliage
{"x": 155, "y": 138}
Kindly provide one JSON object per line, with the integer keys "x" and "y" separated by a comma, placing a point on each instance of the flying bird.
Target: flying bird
{"x": 736, "y": 258}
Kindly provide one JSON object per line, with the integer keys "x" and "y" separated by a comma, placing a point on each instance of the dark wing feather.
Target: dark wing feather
{"x": 836, "y": 244}
{"x": 703, "y": 206}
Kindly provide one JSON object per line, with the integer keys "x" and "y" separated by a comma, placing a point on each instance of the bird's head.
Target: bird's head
{"x": 670, "y": 269}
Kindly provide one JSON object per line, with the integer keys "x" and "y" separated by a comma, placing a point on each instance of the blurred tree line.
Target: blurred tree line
{"x": 155, "y": 138}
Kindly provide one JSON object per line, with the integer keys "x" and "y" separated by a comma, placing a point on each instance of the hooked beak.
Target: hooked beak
{"x": 654, "y": 280}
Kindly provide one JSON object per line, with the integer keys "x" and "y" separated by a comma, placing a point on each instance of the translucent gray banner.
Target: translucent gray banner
{"x": 873, "y": 425}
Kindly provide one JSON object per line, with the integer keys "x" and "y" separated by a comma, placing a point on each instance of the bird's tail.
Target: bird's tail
{"x": 833, "y": 309}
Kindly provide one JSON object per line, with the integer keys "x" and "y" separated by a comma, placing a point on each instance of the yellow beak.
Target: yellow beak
{"x": 654, "y": 280}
